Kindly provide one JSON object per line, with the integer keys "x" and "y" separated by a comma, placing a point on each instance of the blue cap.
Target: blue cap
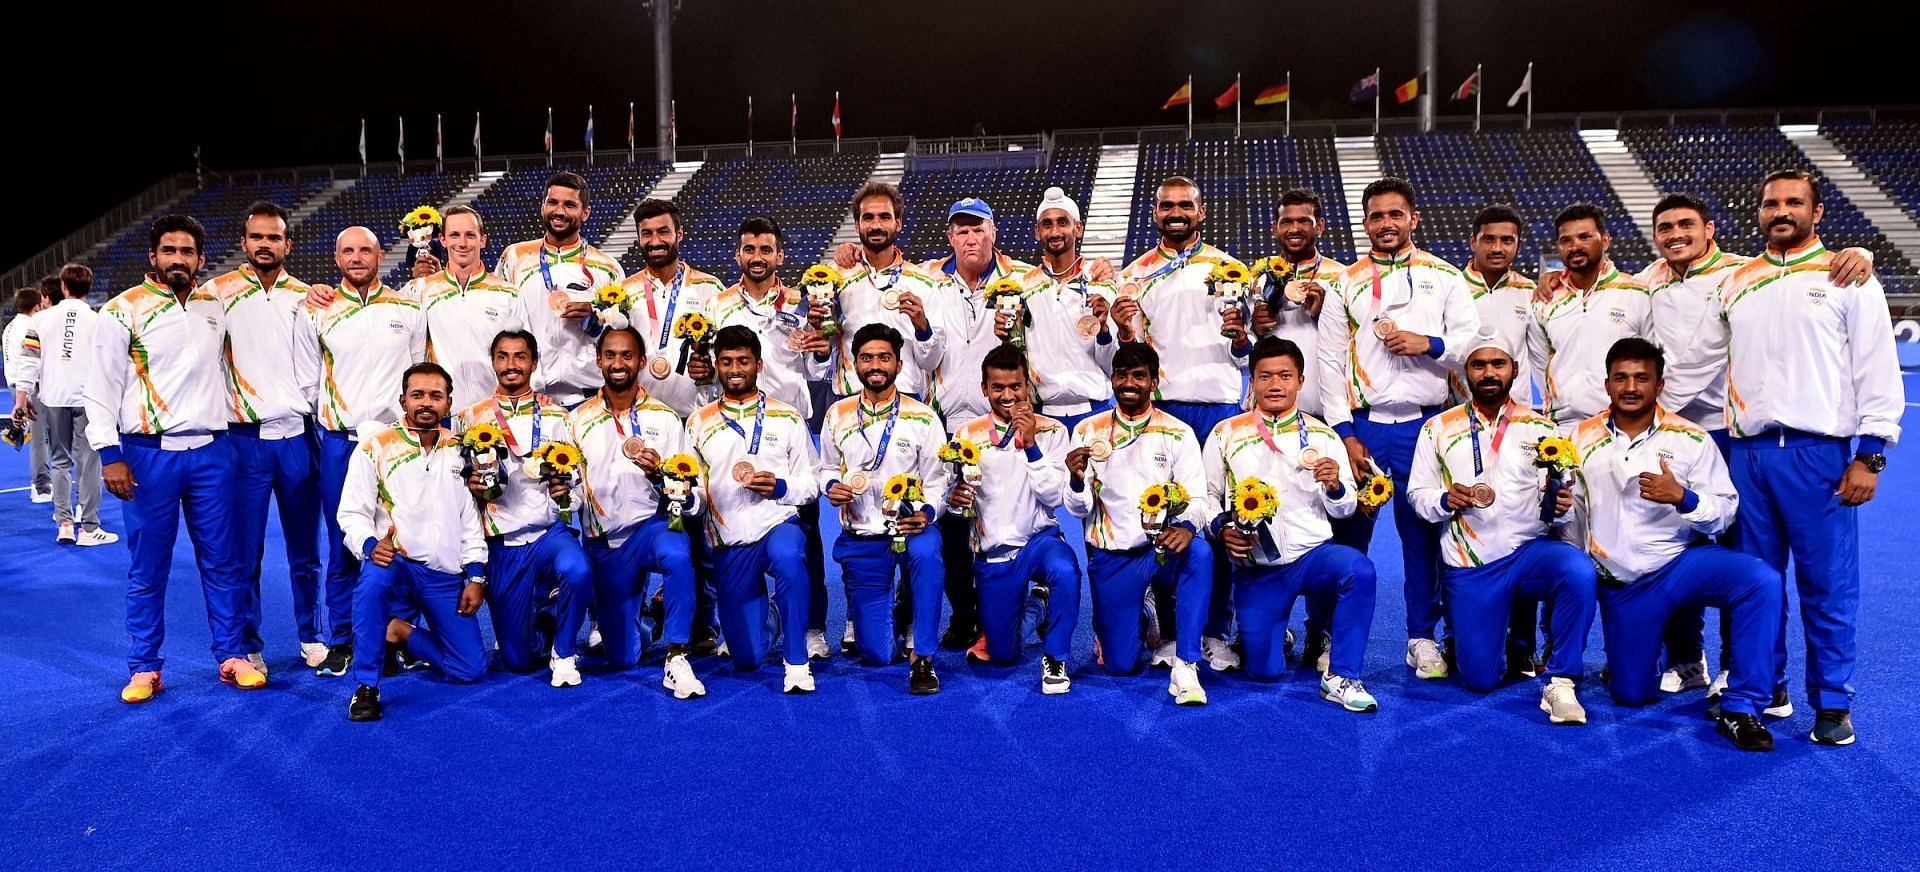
{"x": 974, "y": 206}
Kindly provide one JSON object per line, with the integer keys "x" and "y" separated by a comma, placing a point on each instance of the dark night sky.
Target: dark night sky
{"x": 285, "y": 84}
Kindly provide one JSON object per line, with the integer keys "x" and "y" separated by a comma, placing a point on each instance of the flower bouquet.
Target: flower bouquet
{"x": 1159, "y": 505}
{"x": 900, "y": 499}
{"x": 1006, "y": 297}
{"x": 965, "y": 457}
{"x": 1229, "y": 282}
{"x": 485, "y": 448}
{"x": 555, "y": 461}
{"x": 679, "y": 474}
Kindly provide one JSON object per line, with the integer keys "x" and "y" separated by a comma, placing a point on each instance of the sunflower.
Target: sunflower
{"x": 961, "y": 451}
{"x": 421, "y": 216}
{"x": 821, "y": 274}
{"x": 610, "y": 296}
{"x": 1254, "y": 501}
{"x": 1379, "y": 489}
{"x": 682, "y": 466}
{"x": 899, "y": 487}
{"x": 482, "y": 437}
{"x": 1278, "y": 267}
{"x": 1002, "y": 287}
{"x": 692, "y": 325}
{"x": 563, "y": 458}
{"x": 1167, "y": 495}
{"x": 1228, "y": 272}
{"x": 1556, "y": 452}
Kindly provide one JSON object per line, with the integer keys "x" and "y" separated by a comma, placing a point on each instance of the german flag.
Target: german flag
{"x": 1407, "y": 92}
{"x": 1275, "y": 94}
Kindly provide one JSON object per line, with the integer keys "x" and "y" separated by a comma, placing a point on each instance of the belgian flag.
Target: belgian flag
{"x": 1407, "y": 92}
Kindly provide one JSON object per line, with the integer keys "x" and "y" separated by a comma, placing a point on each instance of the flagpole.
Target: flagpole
{"x": 749, "y": 125}
{"x": 1479, "y": 93}
{"x": 630, "y": 152}
{"x": 1289, "y": 103}
{"x": 439, "y": 146}
{"x": 1236, "y": 105}
{"x": 793, "y": 122}
{"x": 1378, "y": 86}
{"x": 478, "y": 158}
{"x": 1189, "y": 106}
{"x": 589, "y": 134}
{"x": 401, "y": 151}
{"x": 1529, "y": 95}
{"x": 836, "y": 123}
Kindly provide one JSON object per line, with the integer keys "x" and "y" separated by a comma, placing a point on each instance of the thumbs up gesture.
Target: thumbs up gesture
{"x": 1662, "y": 486}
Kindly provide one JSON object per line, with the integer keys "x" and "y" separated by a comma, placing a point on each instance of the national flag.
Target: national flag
{"x": 1228, "y": 97}
{"x": 549, "y": 138}
{"x": 1181, "y": 97}
{"x": 1526, "y": 87}
{"x": 836, "y": 115}
{"x": 1408, "y": 92}
{"x": 629, "y": 126}
{"x": 1367, "y": 88}
{"x": 1275, "y": 94}
{"x": 589, "y": 128}
{"x": 363, "y": 142}
{"x": 1467, "y": 88}
{"x": 439, "y": 146}
{"x": 476, "y": 134}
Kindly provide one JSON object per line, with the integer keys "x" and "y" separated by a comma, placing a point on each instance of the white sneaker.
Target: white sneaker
{"x": 721, "y": 650}
{"x": 1561, "y": 703}
{"x": 259, "y": 663}
{"x": 1150, "y": 613}
{"x": 799, "y": 678}
{"x": 817, "y": 645}
{"x": 1686, "y": 676}
{"x": 314, "y": 653}
{"x": 1219, "y": 654}
{"x": 846, "y": 640}
{"x": 680, "y": 679}
{"x": 42, "y": 496}
{"x": 66, "y": 534}
{"x": 566, "y": 671}
{"x": 1348, "y": 692}
{"x": 97, "y": 536}
{"x": 1053, "y": 676}
{"x": 593, "y": 635}
{"x": 1165, "y": 654}
{"x": 1185, "y": 684}
{"x": 1719, "y": 685}
{"x": 1424, "y": 656}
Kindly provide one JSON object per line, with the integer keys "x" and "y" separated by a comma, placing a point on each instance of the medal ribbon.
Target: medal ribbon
{"x": 759, "y": 422}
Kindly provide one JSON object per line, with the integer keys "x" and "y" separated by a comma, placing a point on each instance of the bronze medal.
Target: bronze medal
{"x": 743, "y": 471}
{"x": 858, "y": 483}
{"x": 633, "y": 447}
{"x": 659, "y": 368}
{"x": 1295, "y": 292}
{"x": 1100, "y": 449}
{"x": 1089, "y": 326}
{"x": 558, "y": 300}
{"x": 890, "y": 300}
{"x": 1310, "y": 457}
{"x": 797, "y": 340}
{"x": 1129, "y": 291}
{"x": 1384, "y": 327}
{"x": 1482, "y": 495}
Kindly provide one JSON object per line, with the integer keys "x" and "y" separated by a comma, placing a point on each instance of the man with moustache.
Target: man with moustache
{"x": 466, "y": 307}
{"x": 540, "y": 582}
{"x": 1297, "y": 228}
{"x": 359, "y": 342}
{"x": 157, "y": 415}
{"x": 1652, "y": 488}
{"x": 1501, "y": 295}
{"x": 625, "y": 435}
{"x": 1587, "y": 308}
{"x": 270, "y": 422}
{"x": 663, "y": 293}
{"x": 418, "y": 534}
{"x": 557, "y": 275}
{"x": 1070, "y": 341}
{"x": 1165, "y": 301}
{"x": 867, "y": 440}
{"x": 1814, "y": 398}
{"x": 1474, "y": 471}
{"x": 885, "y": 288}
{"x": 1389, "y": 335}
{"x": 795, "y": 358}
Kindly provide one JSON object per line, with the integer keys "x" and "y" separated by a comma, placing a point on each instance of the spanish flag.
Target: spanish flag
{"x": 1275, "y": 94}
{"x": 1181, "y": 97}
{"x": 1407, "y": 92}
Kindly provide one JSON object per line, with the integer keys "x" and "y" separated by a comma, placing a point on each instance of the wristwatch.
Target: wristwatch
{"x": 1875, "y": 463}
{"x": 477, "y": 579}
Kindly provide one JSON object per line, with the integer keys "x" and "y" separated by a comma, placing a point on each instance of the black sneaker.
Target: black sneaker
{"x": 704, "y": 642}
{"x": 1317, "y": 644}
{"x": 1053, "y": 675}
{"x": 365, "y": 705}
{"x": 1782, "y": 706}
{"x": 1833, "y": 727}
{"x": 960, "y": 635}
{"x": 1520, "y": 661}
{"x": 339, "y": 660}
{"x": 1746, "y": 731}
{"x": 921, "y": 681}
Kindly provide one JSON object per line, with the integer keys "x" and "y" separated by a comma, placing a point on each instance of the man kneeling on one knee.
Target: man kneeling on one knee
{"x": 1652, "y": 489}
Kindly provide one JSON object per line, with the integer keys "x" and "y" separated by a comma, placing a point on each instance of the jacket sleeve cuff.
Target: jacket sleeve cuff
{"x": 923, "y": 335}
{"x": 1079, "y": 485}
{"x": 1865, "y": 445}
{"x": 1235, "y": 349}
{"x": 1337, "y": 492}
{"x": 1104, "y": 337}
{"x": 110, "y": 455}
{"x": 1344, "y": 429}
{"x": 1436, "y": 347}
{"x": 1187, "y": 526}
{"x": 779, "y": 488}
{"x": 476, "y": 570}
{"x": 1034, "y": 454}
{"x": 1688, "y": 502}
{"x": 929, "y": 512}
{"x": 1219, "y": 523}
{"x": 366, "y": 548}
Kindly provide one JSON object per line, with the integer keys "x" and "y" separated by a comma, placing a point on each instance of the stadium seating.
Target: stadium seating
{"x": 1274, "y": 166}
{"x": 220, "y": 207}
{"x": 806, "y": 196}
{"x": 1889, "y": 151}
{"x": 1013, "y": 192}
{"x": 377, "y": 202}
{"x": 1240, "y": 183}
{"x": 512, "y": 206}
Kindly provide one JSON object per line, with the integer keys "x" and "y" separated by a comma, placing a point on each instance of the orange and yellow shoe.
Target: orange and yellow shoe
{"x": 978, "y": 653}
{"x": 241, "y": 674}
{"x": 141, "y": 687}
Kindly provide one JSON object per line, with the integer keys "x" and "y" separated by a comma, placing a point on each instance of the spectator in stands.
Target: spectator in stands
{"x": 365, "y": 338}
{"x": 50, "y": 382}
{"x": 795, "y": 358}
{"x": 1165, "y": 301}
{"x": 157, "y": 413}
{"x": 1583, "y": 311}
{"x": 1399, "y": 322}
{"x": 1692, "y": 270}
{"x": 466, "y": 307}
{"x": 1811, "y": 368}
{"x": 557, "y": 275}
{"x": 269, "y": 416}
{"x": 26, "y": 302}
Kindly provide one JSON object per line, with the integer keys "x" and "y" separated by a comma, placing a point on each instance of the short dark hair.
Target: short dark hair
{"x": 77, "y": 280}
{"x": 1387, "y": 185}
{"x": 263, "y": 208}
{"x": 735, "y": 337}
{"x": 600, "y": 344}
{"x": 877, "y": 332}
{"x": 1300, "y": 197}
{"x": 1179, "y": 182}
{"x": 570, "y": 181}
{"x": 426, "y": 367}
{"x": 1005, "y": 356}
{"x": 1497, "y": 214}
{"x": 1581, "y": 212}
{"x": 533, "y": 344}
{"x": 1682, "y": 201}
{"x": 50, "y": 286}
{"x": 1132, "y": 354}
{"x": 1790, "y": 176}
{"x": 1274, "y": 346}
{"x": 880, "y": 189}
{"x": 25, "y": 299}
{"x": 653, "y": 207}
{"x": 176, "y": 223}
{"x": 761, "y": 225}
{"x": 1636, "y": 348}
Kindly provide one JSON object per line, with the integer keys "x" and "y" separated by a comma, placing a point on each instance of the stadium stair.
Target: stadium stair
{"x": 621, "y": 238}
{"x": 891, "y": 168}
{"x": 1867, "y": 195}
{"x": 1110, "y": 208}
{"x": 1626, "y": 175}
{"x": 1359, "y": 167}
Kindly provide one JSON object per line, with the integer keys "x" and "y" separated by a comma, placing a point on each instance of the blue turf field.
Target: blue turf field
{"x": 989, "y": 774}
